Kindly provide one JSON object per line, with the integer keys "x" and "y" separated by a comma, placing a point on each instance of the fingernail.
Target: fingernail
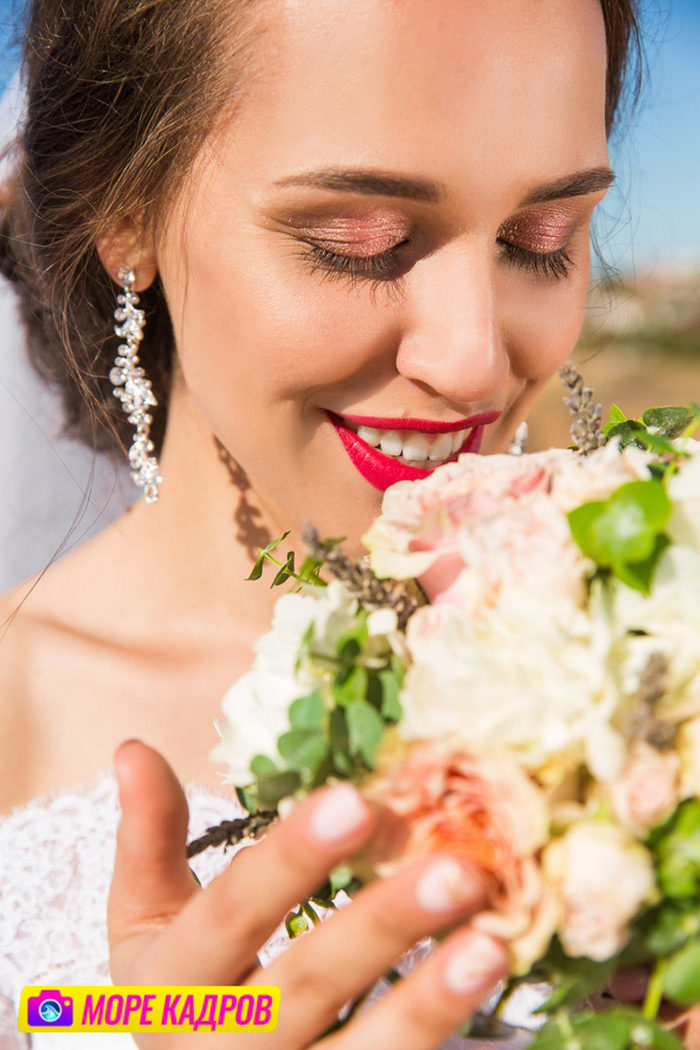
{"x": 338, "y": 812}
{"x": 475, "y": 965}
{"x": 444, "y": 885}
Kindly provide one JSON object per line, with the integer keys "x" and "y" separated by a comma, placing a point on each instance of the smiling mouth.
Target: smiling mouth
{"x": 406, "y": 449}
{"x": 424, "y": 444}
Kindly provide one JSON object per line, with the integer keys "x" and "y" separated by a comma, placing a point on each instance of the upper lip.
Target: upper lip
{"x": 427, "y": 426}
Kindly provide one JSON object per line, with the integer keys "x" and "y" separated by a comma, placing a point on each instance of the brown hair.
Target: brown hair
{"x": 120, "y": 97}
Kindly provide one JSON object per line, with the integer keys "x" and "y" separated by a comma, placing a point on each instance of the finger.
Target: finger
{"x": 692, "y": 1031}
{"x": 423, "y": 1009}
{"x": 152, "y": 879}
{"x": 216, "y": 937}
{"x": 354, "y": 947}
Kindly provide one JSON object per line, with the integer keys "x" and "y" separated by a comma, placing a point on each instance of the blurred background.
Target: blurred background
{"x": 641, "y": 342}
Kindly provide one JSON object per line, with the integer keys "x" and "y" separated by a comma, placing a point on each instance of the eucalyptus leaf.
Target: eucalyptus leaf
{"x": 350, "y": 685}
{"x": 274, "y": 788}
{"x": 616, "y": 415}
{"x": 263, "y": 766}
{"x": 303, "y": 749}
{"x": 308, "y": 712}
{"x": 366, "y": 729}
{"x": 391, "y": 687}
{"x": 248, "y": 797}
{"x": 670, "y": 925}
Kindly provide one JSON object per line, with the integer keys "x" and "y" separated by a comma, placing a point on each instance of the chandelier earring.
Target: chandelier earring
{"x": 133, "y": 389}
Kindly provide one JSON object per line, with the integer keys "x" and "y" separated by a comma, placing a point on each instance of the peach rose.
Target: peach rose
{"x": 647, "y": 790}
{"x": 486, "y": 810}
{"x": 603, "y": 878}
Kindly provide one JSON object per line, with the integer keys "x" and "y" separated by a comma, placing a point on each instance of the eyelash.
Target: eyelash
{"x": 382, "y": 267}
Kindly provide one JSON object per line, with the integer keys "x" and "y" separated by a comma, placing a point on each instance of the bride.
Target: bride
{"x": 360, "y": 237}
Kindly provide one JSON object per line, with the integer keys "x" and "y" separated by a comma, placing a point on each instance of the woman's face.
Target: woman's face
{"x": 389, "y": 238}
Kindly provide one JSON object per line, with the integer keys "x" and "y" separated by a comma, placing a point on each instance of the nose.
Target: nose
{"x": 452, "y": 341}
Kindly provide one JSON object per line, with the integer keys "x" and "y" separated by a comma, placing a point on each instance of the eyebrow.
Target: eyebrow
{"x": 387, "y": 184}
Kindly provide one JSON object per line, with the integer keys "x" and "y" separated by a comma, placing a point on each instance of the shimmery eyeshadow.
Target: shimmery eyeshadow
{"x": 365, "y": 235}
{"x": 542, "y": 230}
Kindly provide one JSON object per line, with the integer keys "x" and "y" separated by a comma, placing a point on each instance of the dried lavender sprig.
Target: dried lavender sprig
{"x": 403, "y": 596}
{"x": 229, "y": 832}
{"x": 586, "y": 429}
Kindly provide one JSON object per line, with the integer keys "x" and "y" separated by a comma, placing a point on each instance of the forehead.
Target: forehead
{"x": 498, "y": 91}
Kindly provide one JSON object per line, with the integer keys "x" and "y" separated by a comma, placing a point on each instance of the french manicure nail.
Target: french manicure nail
{"x": 444, "y": 885}
{"x": 474, "y": 965}
{"x": 339, "y": 812}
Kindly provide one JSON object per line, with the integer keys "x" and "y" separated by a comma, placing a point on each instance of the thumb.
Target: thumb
{"x": 152, "y": 879}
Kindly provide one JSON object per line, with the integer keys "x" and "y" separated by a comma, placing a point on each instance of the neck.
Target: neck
{"x": 190, "y": 553}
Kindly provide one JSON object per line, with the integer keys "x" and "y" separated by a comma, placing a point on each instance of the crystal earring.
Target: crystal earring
{"x": 133, "y": 389}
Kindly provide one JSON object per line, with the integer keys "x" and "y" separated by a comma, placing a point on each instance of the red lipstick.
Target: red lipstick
{"x": 381, "y": 470}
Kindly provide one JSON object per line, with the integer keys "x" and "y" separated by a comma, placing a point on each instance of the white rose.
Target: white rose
{"x": 530, "y": 679}
{"x": 585, "y": 479}
{"x": 603, "y": 878}
{"x": 684, "y": 489}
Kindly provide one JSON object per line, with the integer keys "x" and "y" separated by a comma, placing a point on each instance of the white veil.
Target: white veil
{"x": 55, "y": 492}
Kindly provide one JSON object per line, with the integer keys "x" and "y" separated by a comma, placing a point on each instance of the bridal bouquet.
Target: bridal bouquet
{"x": 514, "y": 672}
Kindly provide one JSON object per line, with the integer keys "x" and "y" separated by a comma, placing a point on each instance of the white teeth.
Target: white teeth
{"x": 413, "y": 446}
{"x": 442, "y": 449}
{"x": 416, "y": 448}
{"x": 391, "y": 444}
{"x": 370, "y": 435}
{"x": 458, "y": 438}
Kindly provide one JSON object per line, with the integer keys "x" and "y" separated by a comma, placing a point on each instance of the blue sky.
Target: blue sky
{"x": 652, "y": 217}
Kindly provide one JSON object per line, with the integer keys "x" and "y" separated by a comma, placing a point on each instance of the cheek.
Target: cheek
{"x": 541, "y": 320}
{"x": 265, "y": 330}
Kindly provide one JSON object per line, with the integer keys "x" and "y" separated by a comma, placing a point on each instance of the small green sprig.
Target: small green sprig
{"x": 309, "y": 573}
{"x": 656, "y": 430}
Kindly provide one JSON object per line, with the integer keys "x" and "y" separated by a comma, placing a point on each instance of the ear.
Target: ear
{"x": 129, "y": 244}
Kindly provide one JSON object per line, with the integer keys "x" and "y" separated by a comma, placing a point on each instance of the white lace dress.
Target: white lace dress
{"x": 56, "y": 856}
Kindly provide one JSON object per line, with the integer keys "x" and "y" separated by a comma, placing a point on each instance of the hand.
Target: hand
{"x": 630, "y": 985}
{"x": 164, "y": 929}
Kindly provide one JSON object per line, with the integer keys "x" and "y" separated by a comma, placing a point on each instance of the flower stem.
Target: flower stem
{"x": 655, "y": 990}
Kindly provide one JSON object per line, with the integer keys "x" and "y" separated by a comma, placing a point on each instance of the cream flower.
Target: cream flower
{"x": 529, "y": 680}
{"x": 603, "y": 878}
{"x": 255, "y": 708}
{"x": 647, "y": 790}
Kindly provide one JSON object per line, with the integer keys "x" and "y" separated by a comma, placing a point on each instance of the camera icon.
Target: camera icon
{"x": 49, "y": 1008}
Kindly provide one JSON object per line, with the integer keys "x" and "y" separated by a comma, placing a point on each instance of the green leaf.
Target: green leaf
{"x": 310, "y": 572}
{"x": 338, "y": 729}
{"x": 353, "y": 641}
{"x": 682, "y": 977}
{"x": 643, "y": 1032}
{"x": 284, "y": 572}
{"x": 308, "y": 712}
{"x": 303, "y": 749}
{"x": 629, "y": 432}
{"x": 624, "y": 532}
{"x": 340, "y": 877}
{"x": 296, "y": 923}
{"x": 274, "y": 788}
{"x": 342, "y": 763}
{"x": 263, "y": 766}
{"x": 639, "y": 575}
{"x": 616, "y": 415}
{"x": 670, "y": 925}
{"x": 676, "y": 845}
{"x": 669, "y": 421}
{"x": 257, "y": 569}
{"x": 350, "y": 685}
{"x": 391, "y": 687}
{"x": 366, "y": 729}
{"x": 248, "y": 797}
